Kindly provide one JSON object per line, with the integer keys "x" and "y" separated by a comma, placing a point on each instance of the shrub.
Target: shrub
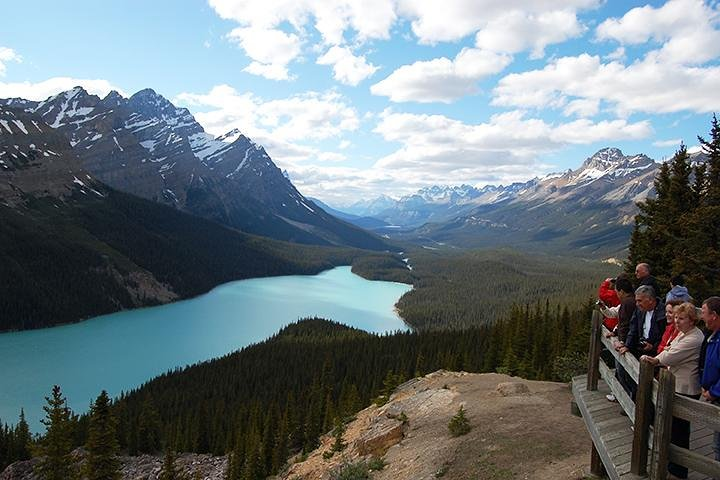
{"x": 352, "y": 471}
{"x": 459, "y": 424}
{"x": 376, "y": 464}
{"x": 567, "y": 366}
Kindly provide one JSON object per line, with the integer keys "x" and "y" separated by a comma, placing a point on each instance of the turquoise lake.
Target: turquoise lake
{"x": 123, "y": 350}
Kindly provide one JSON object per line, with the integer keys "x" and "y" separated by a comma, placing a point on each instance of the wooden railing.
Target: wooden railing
{"x": 659, "y": 394}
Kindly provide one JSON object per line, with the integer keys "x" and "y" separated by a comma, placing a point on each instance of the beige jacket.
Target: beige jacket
{"x": 681, "y": 356}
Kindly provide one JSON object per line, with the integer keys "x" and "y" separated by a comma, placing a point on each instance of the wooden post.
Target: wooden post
{"x": 594, "y": 353}
{"x": 596, "y": 466}
{"x": 643, "y": 410}
{"x": 663, "y": 426}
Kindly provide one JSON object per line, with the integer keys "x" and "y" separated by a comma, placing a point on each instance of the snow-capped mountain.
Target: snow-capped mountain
{"x": 36, "y": 160}
{"x": 590, "y": 209}
{"x": 146, "y": 146}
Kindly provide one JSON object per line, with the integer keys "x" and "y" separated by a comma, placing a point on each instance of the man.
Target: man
{"x": 710, "y": 381}
{"x": 646, "y": 325}
{"x": 642, "y": 273}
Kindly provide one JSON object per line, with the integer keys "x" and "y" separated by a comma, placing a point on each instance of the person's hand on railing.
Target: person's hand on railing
{"x": 610, "y": 334}
{"x": 621, "y": 348}
{"x": 649, "y": 359}
{"x": 707, "y": 396}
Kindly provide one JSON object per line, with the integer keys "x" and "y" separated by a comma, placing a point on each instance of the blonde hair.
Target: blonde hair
{"x": 688, "y": 309}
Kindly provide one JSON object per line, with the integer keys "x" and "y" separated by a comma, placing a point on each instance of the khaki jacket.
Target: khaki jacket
{"x": 681, "y": 356}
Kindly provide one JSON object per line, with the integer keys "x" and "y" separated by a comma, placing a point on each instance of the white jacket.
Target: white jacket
{"x": 681, "y": 356}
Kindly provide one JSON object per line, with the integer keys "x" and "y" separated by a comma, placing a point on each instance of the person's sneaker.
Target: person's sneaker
{"x": 611, "y": 398}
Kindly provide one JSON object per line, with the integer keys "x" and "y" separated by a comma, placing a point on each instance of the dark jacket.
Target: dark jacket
{"x": 625, "y": 314}
{"x": 657, "y": 327}
{"x": 710, "y": 379}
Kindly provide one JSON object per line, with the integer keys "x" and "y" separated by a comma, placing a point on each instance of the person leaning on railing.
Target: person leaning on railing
{"x": 681, "y": 357}
{"x": 624, "y": 312}
{"x": 710, "y": 380}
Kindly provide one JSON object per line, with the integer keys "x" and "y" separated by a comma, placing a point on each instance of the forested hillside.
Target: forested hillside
{"x": 63, "y": 261}
{"x": 275, "y": 398}
{"x": 472, "y": 288}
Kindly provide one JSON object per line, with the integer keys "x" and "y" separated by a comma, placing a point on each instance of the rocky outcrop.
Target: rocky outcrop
{"x": 520, "y": 429}
{"x": 144, "y": 467}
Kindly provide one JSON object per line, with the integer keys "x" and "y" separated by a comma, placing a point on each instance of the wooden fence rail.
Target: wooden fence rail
{"x": 651, "y": 411}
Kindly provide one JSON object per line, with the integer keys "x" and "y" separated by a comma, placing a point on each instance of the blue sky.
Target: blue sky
{"x": 357, "y": 98}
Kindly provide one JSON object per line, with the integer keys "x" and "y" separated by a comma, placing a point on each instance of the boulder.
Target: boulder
{"x": 511, "y": 389}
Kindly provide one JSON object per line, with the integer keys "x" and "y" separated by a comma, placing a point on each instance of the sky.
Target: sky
{"x": 358, "y": 98}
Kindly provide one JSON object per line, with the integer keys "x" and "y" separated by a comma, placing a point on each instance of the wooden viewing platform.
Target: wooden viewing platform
{"x": 630, "y": 441}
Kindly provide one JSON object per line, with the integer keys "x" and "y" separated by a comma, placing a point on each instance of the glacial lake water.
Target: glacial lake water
{"x": 123, "y": 350}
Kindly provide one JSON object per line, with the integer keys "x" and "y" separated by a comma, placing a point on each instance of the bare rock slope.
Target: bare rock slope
{"x": 520, "y": 429}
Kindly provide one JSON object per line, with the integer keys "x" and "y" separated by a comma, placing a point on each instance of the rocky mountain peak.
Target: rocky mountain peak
{"x": 113, "y": 99}
{"x": 613, "y": 158}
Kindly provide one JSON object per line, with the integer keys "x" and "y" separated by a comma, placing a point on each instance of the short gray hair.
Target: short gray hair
{"x": 645, "y": 291}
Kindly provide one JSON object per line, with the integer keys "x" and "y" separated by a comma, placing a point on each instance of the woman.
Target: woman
{"x": 681, "y": 356}
{"x": 670, "y": 330}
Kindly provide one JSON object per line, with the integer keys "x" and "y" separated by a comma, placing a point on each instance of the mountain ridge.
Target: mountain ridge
{"x": 145, "y": 146}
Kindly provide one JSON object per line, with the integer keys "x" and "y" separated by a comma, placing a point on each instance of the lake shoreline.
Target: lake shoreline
{"x": 123, "y": 350}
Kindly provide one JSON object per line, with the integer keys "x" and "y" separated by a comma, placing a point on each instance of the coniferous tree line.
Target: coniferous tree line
{"x": 270, "y": 400}
{"x": 471, "y": 288}
{"x": 678, "y": 231}
{"x": 15, "y": 442}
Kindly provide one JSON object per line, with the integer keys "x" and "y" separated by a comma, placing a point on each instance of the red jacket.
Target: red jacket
{"x": 609, "y": 296}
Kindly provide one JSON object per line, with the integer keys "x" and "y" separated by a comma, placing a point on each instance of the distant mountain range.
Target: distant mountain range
{"x": 589, "y": 210}
{"x": 145, "y": 146}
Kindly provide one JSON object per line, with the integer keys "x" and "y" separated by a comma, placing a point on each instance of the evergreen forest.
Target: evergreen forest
{"x": 270, "y": 400}
{"x": 678, "y": 231}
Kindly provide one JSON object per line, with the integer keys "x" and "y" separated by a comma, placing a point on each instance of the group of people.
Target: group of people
{"x": 666, "y": 334}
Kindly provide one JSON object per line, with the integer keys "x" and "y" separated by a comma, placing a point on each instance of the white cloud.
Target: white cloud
{"x": 284, "y": 126}
{"x": 668, "y": 143}
{"x": 53, "y": 86}
{"x": 270, "y": 49}
{"x": 347, "y": 68}
{"x": 582, "y": 107}
{"x": 500, "y": 27}
{"x": 434, "y": 21}
{"x": 7, "y": 55}
{"x": 441, "y": 79}
{"x": 517, "y": 31}
{"x": 507, "y": 147}
{"x": 617, "y": 54}
{"x": 687, "y": 30}
{"x": 370, "y": 19}
{"x": 650, "y": 85}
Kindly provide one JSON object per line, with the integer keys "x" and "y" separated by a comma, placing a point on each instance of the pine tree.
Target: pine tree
{"x": 55, "y": 448}
{"x": 148, "y": 433}
{"x": 102, "y": 445}
{"x": 337, "y": 433}
{"x": 459, "y": 424}
{"x": 23, "y": 439}
{"x": 169, "y": 469}
{"x": 711, "y": 148}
